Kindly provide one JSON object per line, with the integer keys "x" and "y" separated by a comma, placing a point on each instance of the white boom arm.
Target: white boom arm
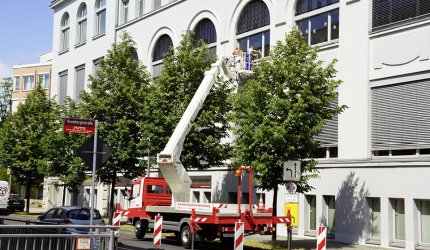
{"x": 168, "y": 160}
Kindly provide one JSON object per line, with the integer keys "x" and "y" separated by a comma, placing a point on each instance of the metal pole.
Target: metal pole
{"x": 112, "y": 239}
{"x": 290, "y": 238}
{"x": 149, "y": 156}
{"x": 92, "y": 199}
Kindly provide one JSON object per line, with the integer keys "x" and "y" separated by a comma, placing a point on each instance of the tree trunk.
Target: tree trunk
{"x": 27, "y": 197}
{"x": 111, "y": 202}
{"x": 64, "y": 196}
{"x": 275, "y": 212}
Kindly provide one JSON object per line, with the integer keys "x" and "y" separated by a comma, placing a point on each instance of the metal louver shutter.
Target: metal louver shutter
{"x": 401, "y": 116}
{"x": 255, "y": 15}
{"x": 80, "y": 81}
{"x": 63, "y": 87}
{"x": 329, "y": 135}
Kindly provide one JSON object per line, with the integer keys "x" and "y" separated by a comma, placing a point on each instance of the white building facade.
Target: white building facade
{"x": 374, "y": 164}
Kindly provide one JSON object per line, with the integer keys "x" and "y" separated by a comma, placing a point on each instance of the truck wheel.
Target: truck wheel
{"x": 186, "y": 236}
{"x": 139, "y": 231}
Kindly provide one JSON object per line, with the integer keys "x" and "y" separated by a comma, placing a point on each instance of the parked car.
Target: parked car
{"x": 16, "y": 202}
{"x": 71, "y": 215}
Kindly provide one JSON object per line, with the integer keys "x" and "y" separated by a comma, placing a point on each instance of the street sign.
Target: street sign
{"x": 292, "y": 171}
{"x": 79, "y": 126}
{"x": 86, "y": 152}
{"x": 292, "y": 206}
{"x": 291, "y": 187}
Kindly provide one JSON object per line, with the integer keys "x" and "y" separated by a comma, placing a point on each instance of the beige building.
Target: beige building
{"x": 27, "y": 76}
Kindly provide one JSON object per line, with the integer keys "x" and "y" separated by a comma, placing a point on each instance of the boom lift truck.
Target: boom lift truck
{"x": 170, "y": 196}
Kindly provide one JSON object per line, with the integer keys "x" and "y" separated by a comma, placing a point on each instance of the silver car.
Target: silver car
{"x": 71, "y": 215}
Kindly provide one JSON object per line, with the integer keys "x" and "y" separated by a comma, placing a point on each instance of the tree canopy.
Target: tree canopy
{"x": 281, "y": 109}
{"x": 170, "y": 95}
{"x": 22, "y": 139}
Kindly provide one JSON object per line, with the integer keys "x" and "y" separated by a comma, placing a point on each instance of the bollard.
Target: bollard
{"x": 158, "y": 229}
{"x": 322, "y": 238}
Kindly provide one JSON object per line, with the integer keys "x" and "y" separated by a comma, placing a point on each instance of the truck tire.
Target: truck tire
{"x": 185, "y": 236}
{"x": 139, "y": 230}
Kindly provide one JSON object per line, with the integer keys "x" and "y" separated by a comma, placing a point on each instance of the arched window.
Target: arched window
{"x": 205, "y": 30}
{"x": 65, "y": 29}
{"x": 100, "y": 17}
{"x": 253, "y": 29}
{"x": 162, "y": 46}
{"x": 82, "y": 24}
{"x": 316, "y": 26}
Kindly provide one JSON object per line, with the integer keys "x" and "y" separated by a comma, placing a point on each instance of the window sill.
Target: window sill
{"x": 401, "y": 26}
{"x": 374, "y": 241}
{"x": 63, "y": 51}
{"x": 80, "y": 44}
{"x": 327, "y": 45}
{"x": 27, "y": 90}
{"x": 99, "y": 35}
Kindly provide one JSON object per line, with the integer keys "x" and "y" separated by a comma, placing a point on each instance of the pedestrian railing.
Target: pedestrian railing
{"x": 57, "y": 237}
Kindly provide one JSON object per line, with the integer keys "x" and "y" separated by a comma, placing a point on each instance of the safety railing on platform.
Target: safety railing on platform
{"x": 56, "y": 237}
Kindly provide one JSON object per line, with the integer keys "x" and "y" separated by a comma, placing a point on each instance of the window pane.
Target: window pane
{"x": 16, "y": 85}
{"x": 101, "y": 22}
{"x": 376, "y": 216}
{"x": 161, "y": 47}
{"x": 243, "y": 44}
{"x": 311, "y": 199}
{"x": 266, "y": 43}
{"x": 425, "y": 221}
{"x": 205, "y": 30}
{"x": 302, "y": 26}
{"x": 334, "y": 24}
{"x": 255, "y": 15}
{"x": 381, "y": 12}
{"x": 256, "y": 41}
{"x": 399, "y": 210}
{"x": 331, "y": 213}
{"x": 319, "y": 28}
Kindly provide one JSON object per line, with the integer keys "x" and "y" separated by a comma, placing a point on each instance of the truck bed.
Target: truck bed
{"x": 223, "y": 212}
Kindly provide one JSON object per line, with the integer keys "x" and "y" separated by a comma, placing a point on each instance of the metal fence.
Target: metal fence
{"x": 56, "y": 237}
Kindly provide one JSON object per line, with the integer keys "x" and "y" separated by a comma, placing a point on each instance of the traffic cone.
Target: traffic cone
{"x": 260, "y": 208}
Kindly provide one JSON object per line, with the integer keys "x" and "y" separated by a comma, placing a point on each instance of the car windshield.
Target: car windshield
{"x": 83, "y": 214}
{"x": 15, "y": 197}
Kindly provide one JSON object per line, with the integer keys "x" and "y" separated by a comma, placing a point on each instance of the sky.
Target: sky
{"x": 25, "y": 32}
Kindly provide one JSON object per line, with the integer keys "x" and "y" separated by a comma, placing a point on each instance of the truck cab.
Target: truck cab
{"x": 149, "y": 191}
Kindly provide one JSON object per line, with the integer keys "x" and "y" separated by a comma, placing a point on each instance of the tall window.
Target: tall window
{"x": 63, "y": 87}
{"x": 28, "y": 82}
{"x": 330, "y": 202}
{"x": 311, "y": 201}
{"x": 140, "y": 8}
{"x": 253, "y": 28}
{"x": 43, "y": 79}
{"x": 399, "y": 218}
{"x": 425, "y": 221}
{"x": 156, "y": 4}
{"x": 162, "y": 46}
{"x": 375, "y": 212}
{"x": 82, "y": 23}
{"x": 80, "y": 81}
{"x": 15, "y": 83}
{"x": 100, "y": 17}
{"x": 387, "y": 13}
{"x": 205, "y": 30}
{"x": 315, "y": 26}
{"x": 65, "y": 29}
{"x": 123, "y": 14}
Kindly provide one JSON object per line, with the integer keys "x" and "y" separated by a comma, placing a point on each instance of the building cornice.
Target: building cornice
{"x": 32, "y": 65}
{"x": 55, "y": 3}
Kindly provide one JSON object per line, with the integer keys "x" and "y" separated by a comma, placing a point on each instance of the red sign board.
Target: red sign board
{"x": 79, "y": 126}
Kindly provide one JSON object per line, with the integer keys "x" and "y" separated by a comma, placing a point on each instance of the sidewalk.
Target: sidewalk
{"x": 306, "y": 242}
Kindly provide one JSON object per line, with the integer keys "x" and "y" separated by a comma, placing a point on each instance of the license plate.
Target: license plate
{"x": 16, "y": 203}
{"x": 228, "y": 235}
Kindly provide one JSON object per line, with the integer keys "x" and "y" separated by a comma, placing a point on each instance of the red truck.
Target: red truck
{"x": 170, "y": 196}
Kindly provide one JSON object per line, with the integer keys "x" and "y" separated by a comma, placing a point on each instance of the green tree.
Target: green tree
{"x": 281, "y": 109}
{"x": 116, "y": 100}
{"x": 60, "y": 146}
{"x": 169, "y": 97}
{"x": 5, "y": 97}
{"x": 22, "y": 137}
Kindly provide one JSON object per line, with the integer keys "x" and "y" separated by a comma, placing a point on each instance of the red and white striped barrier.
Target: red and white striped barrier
{"x": 158, "y": 228}
{"x": 116, "y": 222}
{"x": 321, "y": 239}
{"x": 238, "y": 235}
